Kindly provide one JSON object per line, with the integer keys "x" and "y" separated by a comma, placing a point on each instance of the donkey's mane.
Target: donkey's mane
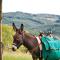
{"x": 27, "y": 34}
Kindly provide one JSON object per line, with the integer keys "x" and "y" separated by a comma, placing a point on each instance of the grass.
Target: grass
{"x": 16, "y": 56}
{"x": 7, "y": 34}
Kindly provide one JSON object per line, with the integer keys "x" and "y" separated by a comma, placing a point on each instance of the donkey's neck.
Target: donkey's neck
{"x": 28, "y": 43}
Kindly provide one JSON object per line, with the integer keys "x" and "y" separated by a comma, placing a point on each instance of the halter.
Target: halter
{"x": 19, "y": 43}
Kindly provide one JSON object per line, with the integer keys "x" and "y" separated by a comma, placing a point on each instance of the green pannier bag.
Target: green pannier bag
{"x": 51, "y": 48}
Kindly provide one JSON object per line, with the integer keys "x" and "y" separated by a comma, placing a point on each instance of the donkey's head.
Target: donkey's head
{"x": 18, "y": 37}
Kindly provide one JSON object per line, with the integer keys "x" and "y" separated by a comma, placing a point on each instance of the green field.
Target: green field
{"x": 16, "y": 56}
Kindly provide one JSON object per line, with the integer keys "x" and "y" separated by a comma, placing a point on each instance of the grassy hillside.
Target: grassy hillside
{"x": 7, "y": 35}
{"x": 34, "y": 22}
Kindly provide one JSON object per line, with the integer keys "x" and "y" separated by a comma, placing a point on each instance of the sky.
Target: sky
{"x": 32, "y": 6}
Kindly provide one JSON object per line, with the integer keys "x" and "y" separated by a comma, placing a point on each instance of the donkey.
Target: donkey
{"x": 28, "y": 40}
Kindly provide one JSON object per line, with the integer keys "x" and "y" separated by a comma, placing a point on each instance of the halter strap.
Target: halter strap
{"x": 39, "y": 42}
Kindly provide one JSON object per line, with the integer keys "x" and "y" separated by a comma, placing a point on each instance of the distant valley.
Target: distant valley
{"x": 34, "y": 22}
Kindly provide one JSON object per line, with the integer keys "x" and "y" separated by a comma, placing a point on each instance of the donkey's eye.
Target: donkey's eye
{"x": 18, "y": 39}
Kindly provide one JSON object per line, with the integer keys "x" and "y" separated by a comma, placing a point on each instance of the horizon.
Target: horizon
{"x": 31, "y": 13}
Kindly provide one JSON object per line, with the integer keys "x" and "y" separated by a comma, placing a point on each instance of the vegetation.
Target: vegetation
{"x": 7, "y": 35}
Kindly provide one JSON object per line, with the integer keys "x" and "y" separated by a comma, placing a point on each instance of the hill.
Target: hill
{"x": 34, "y": 22}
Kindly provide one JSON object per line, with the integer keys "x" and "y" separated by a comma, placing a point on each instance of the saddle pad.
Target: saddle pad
{"x": 51, "y": 43}
{"x": 51, "y": 48}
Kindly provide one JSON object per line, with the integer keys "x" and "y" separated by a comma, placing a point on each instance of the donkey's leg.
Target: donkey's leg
{"x": 34, "y": 58}
{"x": 40, "y": 58}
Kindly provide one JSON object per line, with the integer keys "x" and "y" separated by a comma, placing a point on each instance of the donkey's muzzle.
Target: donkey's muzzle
{"x": 14, "y": 48}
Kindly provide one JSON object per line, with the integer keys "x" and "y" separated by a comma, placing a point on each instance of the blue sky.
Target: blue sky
{"x": 32, "y": 6}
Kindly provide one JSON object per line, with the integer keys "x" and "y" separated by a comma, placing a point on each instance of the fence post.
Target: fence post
{"x": 0, "y": 30}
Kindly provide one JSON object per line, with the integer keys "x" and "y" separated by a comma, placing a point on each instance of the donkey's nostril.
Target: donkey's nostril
{"x": 13, "y": 49}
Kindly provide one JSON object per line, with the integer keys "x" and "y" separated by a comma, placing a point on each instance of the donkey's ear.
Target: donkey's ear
{"x": 22, "y": 27}
{"x": 14, "y": 27}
